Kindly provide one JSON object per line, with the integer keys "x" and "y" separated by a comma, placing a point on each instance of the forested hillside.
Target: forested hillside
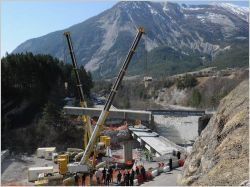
{"x": 33, "y": 92}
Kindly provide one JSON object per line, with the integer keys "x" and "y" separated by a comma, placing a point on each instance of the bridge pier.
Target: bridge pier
{"x": 128, "y": 151}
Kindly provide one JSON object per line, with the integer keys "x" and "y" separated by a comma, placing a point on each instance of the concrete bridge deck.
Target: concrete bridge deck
{"x": 153, "y": 142}
{"x": 113, "y": 113}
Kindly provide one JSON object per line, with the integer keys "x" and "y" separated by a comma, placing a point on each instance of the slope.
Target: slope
{"x": 220, "y": 156}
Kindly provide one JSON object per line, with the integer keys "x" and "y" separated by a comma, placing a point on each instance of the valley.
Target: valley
{"x": 172, "y": 109}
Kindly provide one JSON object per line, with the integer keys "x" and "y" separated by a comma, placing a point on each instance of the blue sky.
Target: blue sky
{"x": 22, "y": 20}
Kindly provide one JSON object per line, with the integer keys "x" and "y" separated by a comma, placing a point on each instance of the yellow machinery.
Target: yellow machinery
{"x": 63, "y": 161}
{"x": 106, "y": 140}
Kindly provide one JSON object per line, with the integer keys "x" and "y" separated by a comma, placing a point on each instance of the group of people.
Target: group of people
{"x": 128, "y": 177}
{"x": 105, "y": 176}
{"x": 77, "y": 178}
{"x": 123, "y": 177}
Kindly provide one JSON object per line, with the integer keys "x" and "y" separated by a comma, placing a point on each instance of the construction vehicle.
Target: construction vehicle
{"x": 84, "y": 166}
{"x": 68, "y": 170}
{"x": 86, "y": 119}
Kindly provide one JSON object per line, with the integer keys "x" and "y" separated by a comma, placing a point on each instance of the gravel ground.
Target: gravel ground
{"x": 14, "y": 169}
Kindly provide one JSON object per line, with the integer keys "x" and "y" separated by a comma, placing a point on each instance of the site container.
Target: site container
{"x": 48, "y": 153}
{"x": 33, "y": 172}
{"x": 41, "y": 152}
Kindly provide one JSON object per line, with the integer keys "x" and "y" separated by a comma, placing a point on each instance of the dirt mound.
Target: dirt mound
{"x": 220, "y": 156}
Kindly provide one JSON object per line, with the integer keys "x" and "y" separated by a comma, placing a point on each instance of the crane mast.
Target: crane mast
{"x": 110, "y": 99}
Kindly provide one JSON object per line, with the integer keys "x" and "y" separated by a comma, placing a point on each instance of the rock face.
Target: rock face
{"x": 202, "y": 122}
{"x": 220, "y": 156}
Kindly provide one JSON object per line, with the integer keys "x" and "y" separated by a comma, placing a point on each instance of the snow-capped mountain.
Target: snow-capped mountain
{"x": 101, "y": 42}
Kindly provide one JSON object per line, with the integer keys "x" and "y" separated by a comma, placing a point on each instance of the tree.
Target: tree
{"x": 188, "y": 81}
{"x": 195, "y": 98}
{"x": 33, "y": 87}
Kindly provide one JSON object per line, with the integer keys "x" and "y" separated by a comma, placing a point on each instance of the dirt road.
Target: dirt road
{"x": 14, "y": 169}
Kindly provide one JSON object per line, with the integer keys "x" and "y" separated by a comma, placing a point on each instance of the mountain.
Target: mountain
{"x": 101, "y": 43}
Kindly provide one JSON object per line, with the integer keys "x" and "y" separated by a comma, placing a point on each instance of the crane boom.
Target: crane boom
{"x": 83, "y": 103}
{"x": 110, "y": 99}
{"x": 75, "y": 68}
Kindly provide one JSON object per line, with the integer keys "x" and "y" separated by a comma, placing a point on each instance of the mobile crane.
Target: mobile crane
{"x": 86, "y": 119}
{"x": 83, "y": 166}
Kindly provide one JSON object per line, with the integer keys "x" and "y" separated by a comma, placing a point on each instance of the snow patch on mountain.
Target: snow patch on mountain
{"x": 241, "y": 12}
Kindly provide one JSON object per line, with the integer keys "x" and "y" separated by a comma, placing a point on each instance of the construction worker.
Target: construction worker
{"x": 131, "y": 178}
{"x": 119, "y": 177}
{"x": 178, "y": 155}
{"x": 126, "y": 180}
{"x": 107, "y": 177}
{"x": 104, "y": 175}
{"x": 170, "y": 164}
{"x": 143, "y": 172}
{"x": 83, "y": 179}
{"x": 111, "y": 174}
{"x": 137, "y": 171}
{"x": 76, "y": 179}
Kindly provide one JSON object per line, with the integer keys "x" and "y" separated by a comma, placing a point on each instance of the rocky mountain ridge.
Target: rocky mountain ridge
{"x": 102, "y": 41}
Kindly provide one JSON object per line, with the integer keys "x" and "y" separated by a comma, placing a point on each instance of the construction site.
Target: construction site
{"x": 125, "y": 93}
{"x": 120, "y": 147}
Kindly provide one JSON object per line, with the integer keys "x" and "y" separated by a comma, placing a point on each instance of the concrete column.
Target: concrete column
{"x": 128, "y": 151}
